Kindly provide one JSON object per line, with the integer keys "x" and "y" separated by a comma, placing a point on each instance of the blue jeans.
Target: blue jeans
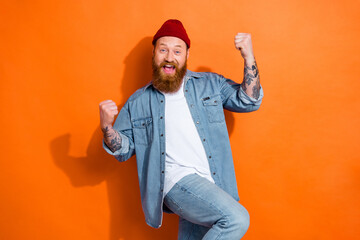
{"x": 206, "y": 211}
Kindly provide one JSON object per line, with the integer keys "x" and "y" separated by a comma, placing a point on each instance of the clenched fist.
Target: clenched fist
{"x": 243, "y": 43}
{"x": 108, "y": 111}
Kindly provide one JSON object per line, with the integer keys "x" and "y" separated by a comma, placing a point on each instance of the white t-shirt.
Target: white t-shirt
{"x": 185, "y": 154}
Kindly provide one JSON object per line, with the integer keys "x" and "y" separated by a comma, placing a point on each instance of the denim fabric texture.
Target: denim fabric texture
{"x": 142, "y": 128}
{"x": 206, "y": 211}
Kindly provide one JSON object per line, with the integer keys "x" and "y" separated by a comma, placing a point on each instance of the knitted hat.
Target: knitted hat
{"x": 172, "y": 28}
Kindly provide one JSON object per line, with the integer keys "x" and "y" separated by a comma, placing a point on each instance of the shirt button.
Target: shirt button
{"x": 161, "y": 117}
{"x": 197, "y": 122}
{"x": 162, "y": 101}
{"x": 162, "y": 171}
{"x": 162, "y": 135}
{"x": 186, "y": 90}
{"x": 162, "y": 153}
{"x": 204, "y": 139}
{"x": 209, "y": 156}
{"x": 214, "y": 173}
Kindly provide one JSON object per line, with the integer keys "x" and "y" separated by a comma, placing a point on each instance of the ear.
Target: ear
{"x": 187, "y": 53}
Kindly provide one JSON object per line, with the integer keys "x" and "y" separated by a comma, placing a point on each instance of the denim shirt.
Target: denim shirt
{"x": 141, "y": 124}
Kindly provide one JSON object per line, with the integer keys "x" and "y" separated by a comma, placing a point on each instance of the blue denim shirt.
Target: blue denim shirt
{"x": 141, "y": 124}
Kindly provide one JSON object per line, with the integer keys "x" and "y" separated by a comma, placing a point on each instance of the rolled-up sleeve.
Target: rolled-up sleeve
{"x": 250, "y": 100}
{"x": 235, "y": 99}
{"x": 124, "y": 146}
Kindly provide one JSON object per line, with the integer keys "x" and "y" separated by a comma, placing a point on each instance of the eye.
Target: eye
{"x": 162, "y": 50}
{"x": 177, "y": 52}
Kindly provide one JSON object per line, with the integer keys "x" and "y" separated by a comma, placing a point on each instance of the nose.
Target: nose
{"x": 169, "y": 56}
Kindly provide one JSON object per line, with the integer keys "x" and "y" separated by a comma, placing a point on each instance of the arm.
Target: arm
{"x": 251, "y": 81}
{"x": 108, "y": 111}
{"x": 112, "y": 138}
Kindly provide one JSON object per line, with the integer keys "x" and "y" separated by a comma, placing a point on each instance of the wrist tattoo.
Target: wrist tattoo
{"x": 106, "y": 132}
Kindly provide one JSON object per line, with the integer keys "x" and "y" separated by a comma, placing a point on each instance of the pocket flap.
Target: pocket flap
{"x": 142, "y": 122}
{"x": 211, "y": 100}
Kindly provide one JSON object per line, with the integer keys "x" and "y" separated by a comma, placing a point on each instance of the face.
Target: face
{"x": 169, "y": 63}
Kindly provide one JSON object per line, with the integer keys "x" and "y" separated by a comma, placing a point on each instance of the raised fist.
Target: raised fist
{"x": 108, "y": 111}
{"x": 243, "y": 43}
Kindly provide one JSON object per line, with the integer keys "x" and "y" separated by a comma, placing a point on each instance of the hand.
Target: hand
{"x": 108, "y": 111}
{"x": 243, "y": 43}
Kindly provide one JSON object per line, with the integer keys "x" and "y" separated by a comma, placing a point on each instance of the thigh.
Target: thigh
{"x": 200, "y": 201}
{"x": 191, "y": 231}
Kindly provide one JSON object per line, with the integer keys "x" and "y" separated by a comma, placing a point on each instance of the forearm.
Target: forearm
{"x": 111, "y": 138}
{"x": 251, "y": 82}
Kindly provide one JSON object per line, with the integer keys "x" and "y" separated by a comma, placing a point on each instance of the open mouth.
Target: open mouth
{"x": 169, "y": 69}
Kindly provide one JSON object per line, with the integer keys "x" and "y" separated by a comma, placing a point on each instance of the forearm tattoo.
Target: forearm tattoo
{"x": 251, "y": 77}
{"x": 256, "y": 90}
{"x": 112, "y": 138}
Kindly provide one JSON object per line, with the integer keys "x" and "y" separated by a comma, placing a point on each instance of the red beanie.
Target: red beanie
{"x": 172, "y": 28}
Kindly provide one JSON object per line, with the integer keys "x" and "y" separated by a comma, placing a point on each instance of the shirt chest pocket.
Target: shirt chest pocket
{"x": 213, "y": 108}
{"x": 142, "y": 129}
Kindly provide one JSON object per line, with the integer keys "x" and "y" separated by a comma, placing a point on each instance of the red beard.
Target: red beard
{"x": 167, "y": 83}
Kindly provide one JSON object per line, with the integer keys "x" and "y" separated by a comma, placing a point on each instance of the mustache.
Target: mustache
{"x": 169, "y": 63}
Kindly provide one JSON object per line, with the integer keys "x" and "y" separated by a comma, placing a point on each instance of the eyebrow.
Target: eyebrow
{"x": 163, "y": 44}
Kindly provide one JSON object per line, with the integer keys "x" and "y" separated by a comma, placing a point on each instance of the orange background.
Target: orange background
{"x": 296, "y": 159}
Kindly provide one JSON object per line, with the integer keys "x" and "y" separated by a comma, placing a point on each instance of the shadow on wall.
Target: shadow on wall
{"x": 127, "y": 219}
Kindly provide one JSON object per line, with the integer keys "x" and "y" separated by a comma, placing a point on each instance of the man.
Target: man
{"x": 176, "y": 127}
